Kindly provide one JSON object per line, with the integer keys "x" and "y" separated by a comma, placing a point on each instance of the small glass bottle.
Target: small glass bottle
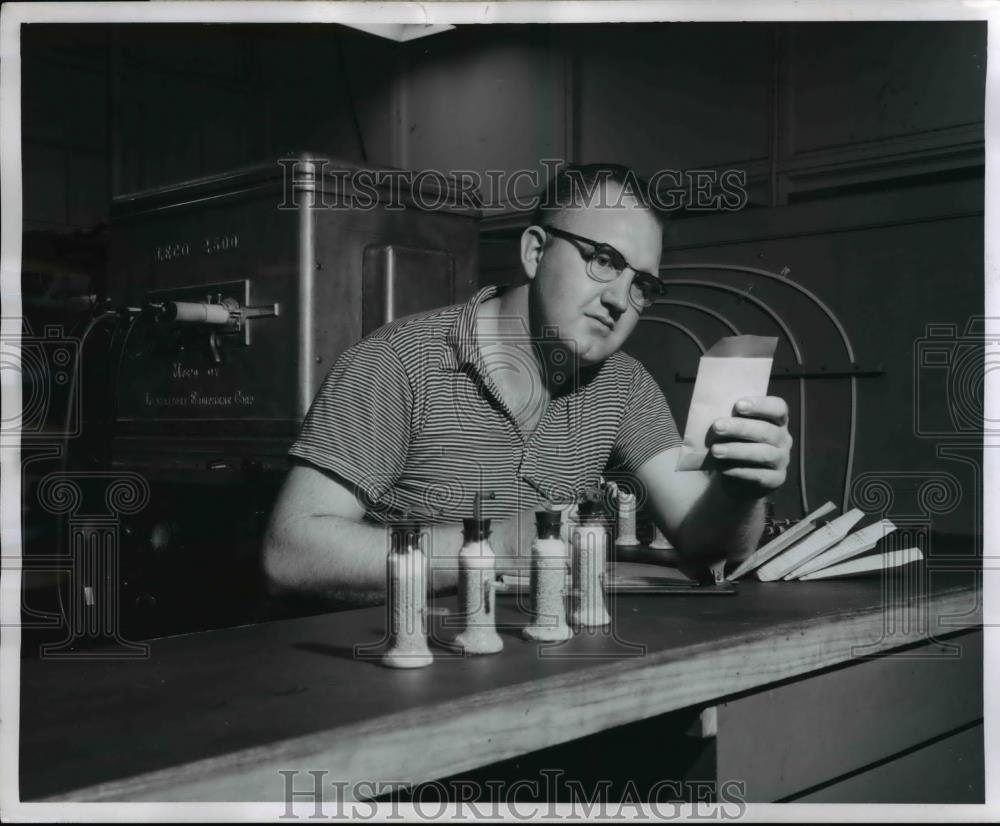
{"x": 659, "y": 541}
{"x": 407, "y": 599}
{"x": 477, "y": 590}
{"x": 626, "y": 519}
{"x": 548, "y": 581}
{"x": 589, "y": 549}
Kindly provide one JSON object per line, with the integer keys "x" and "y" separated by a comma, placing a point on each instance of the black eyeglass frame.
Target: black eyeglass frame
{"x": 616, "y": 258}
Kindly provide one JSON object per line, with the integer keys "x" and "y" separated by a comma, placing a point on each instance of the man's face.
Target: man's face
{"x": 591, "y": 317}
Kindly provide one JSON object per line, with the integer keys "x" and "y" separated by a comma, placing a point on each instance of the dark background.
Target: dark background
{"x": 862, "y": 145}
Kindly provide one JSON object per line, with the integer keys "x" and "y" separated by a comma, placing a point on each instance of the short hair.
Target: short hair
{"x": 575, "y": 184}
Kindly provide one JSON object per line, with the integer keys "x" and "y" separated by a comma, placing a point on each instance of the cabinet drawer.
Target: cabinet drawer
{"x": 949, "y": 770}
{"x": 787, "y": 739}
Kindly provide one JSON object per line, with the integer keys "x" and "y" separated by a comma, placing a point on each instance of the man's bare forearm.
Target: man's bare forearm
{"x": 338, "y": 557}
{"x": 720, "y": 526}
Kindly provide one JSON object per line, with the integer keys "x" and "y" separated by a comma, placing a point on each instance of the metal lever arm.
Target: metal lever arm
{"x": 265, "y": 311}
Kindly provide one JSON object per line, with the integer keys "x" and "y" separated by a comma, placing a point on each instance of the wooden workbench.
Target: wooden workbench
{"x": 216, "y": 715}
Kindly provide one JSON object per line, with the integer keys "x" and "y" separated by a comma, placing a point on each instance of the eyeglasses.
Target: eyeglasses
{"x": 605, "y": 264}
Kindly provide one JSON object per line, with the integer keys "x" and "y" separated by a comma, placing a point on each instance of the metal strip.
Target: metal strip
{"x": 305, "y": 276}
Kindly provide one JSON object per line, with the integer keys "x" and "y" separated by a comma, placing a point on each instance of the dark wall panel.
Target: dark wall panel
{"x": 812, "y": 111}
{"x": 887, "y": 275}
{"x": 676, "y": 96}
{"x": 481, "y": 100}
{"x": 847, "y": 84}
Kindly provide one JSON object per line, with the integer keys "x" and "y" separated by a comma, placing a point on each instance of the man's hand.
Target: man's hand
{"x": 753, "y": 447}
{"x": 717, "y": 514}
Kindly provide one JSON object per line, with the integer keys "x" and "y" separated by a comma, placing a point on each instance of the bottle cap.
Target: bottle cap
{"x": 590, "y": 504}
{"x": 404, "y": 535}
{"x": 548, "y": 523}
{"x": 589, "y": 507}
{"x": 475, "y": 530}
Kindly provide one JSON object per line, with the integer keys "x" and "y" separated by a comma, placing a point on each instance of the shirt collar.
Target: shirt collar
{"x": 463, "y": 351}
{"x": 462, "y": 335}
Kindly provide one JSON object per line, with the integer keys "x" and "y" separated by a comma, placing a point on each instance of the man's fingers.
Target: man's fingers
{"x": 753, "y": 445}
{"x": 763, "y": 478}
{"x": 750, "y": 453}
{"x": 772, "y": 408}
{"x": 749, "y": 430}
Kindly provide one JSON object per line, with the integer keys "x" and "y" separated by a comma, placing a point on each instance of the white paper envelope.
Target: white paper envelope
{"x": 735, "y": 367}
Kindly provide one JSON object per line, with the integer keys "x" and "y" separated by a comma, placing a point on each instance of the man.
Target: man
{"x": 521, "y": 393}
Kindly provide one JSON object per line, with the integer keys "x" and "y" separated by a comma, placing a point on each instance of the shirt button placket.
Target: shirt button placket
{"x": 526, "y": 469}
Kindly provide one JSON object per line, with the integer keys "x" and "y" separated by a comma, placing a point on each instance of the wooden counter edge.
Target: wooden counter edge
{"x": 444, "y": 739}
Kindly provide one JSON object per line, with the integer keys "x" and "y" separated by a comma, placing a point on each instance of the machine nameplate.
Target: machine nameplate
{"x": 212, "y": 245}
{"x": 197, "y": 398}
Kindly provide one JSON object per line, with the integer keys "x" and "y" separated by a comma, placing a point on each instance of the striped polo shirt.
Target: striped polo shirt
{"x": 411, "y": 419}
